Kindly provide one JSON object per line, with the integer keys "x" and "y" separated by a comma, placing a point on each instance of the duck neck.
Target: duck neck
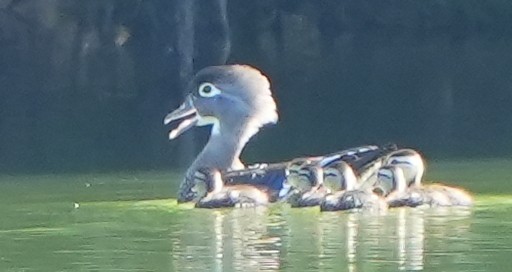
{"x": 222, "y": 152}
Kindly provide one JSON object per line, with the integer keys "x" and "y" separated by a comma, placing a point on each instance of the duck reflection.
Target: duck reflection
{"x": 352, "y": 231}
{"x": 243, "y": 241}
{"x": 261, "y": 239}
{"x": 410, "y": 239}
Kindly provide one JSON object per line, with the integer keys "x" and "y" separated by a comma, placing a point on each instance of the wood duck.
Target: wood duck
{"x": 209, "y": 181}
{"x": 392, "y": 182}
{"x": 349, "y": 193}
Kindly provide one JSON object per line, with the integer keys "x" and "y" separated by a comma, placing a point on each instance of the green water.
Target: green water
{"x": 130, "y": 222}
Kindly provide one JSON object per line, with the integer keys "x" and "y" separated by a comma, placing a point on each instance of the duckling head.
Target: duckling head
{"x": 390, "y": 178}
{"x": 339, "y": 176}
{"x": 308, "y": 177}
{"x": 316, "y": 192}
{"x": 294, "y": 175}
{"x": 205, "y": 180}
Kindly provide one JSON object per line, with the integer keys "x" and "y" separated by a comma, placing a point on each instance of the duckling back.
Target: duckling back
{"x": 235, "y": 196}
{"x": 456, "y": 196}
{"x": 248, "y": 195}
{"x": 353, "y": 200}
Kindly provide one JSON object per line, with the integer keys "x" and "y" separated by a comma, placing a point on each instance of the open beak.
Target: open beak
{"x": 187, "y": 113}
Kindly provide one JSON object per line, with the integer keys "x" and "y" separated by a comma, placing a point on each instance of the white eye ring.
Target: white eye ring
{"x": 208, "y": 90}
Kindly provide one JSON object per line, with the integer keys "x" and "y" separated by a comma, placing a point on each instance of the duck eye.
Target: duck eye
{"x": 208, "y": 90}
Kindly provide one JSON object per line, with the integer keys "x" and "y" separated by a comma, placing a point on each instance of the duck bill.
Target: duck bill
{"x": 187, "y": 113}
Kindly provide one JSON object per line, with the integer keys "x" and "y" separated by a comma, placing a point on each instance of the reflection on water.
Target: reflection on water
{"x": 235, "y": 240}
{"x": 410, "y": 232}
{"x": 304, "y": 239}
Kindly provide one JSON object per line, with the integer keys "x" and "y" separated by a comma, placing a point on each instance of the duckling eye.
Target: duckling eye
{"x": 208, "y": 90}
{"x": 330, "y": 175}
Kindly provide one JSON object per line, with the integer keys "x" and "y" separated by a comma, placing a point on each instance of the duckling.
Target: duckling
{"x": 220, "y": 195}
{"x": 351, "y": 194}
{"x": 294, "y": 178}
{"x": 393, "y": 184}
{"x": 340, "y": 176}
{"x": 411, "y": 163}
{"x": 309, "y": 189}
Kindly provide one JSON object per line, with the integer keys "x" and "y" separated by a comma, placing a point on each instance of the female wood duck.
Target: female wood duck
{"x": 350, "y": 194}
{"x": 399, "y": 193}
{"x": 218, "y": 195}
{"x": 237, "y": 101}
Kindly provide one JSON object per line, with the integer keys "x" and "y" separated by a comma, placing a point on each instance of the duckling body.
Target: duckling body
{"x": 234, "y": 196}
{"x": 364, "y": 200}
{"x": 350, "y": 194}
{"x": 220, "y": 195}
{"x": 433, "y": 195}
{"x": 458, "y": 196}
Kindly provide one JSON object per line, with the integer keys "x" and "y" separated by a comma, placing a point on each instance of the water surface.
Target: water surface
{"x": 131, "y": 222}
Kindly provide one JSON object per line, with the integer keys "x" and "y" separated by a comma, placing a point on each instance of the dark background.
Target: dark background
{"x": 84, "y": 85}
